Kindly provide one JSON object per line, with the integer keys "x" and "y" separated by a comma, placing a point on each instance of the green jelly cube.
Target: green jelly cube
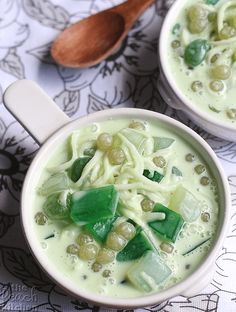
{"x": 77, "y": 167}
{"x": 147, "y": 273}
{"x": 161, "y": 143}
{"x": 153, "y": 176}
{"x": 56, "y": 206}
{"x": 186, "y": 204}
{"x": 99, "y": 230}
{"x": 94, "y": 204}
{"x": 212, "y": 2}
{"x": 170, "y": 226}
{"x": 54, "y": 184}
{"x": 135, "y": 248}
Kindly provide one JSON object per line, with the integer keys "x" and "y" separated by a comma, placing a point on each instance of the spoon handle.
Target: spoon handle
{"x": 132, "y": 9}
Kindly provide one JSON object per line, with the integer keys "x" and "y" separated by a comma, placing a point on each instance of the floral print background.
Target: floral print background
{"x": 127, "y": 78}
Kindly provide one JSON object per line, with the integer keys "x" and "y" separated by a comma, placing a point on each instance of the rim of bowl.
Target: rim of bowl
{"x": 166, "y": 69}
{"x": 145, "y": 300}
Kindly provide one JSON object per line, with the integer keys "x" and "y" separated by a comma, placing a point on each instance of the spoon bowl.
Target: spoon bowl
{"x": 83, "y": 34}
{"x": 93, "y": 39}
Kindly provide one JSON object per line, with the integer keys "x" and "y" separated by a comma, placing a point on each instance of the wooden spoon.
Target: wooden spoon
{"x": 93, "y": 39}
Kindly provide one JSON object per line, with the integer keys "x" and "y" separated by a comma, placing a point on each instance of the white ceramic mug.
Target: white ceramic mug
{"x": 49, "y": 125}
{"x": 171, "y": 92}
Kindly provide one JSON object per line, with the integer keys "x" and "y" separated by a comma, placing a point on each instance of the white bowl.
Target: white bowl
{"x": 171, "y": 92}
{"x": 19, "y": 97}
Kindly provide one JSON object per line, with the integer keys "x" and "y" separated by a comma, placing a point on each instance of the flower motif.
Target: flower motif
{"x": 16, "y": 33}
{"x": 113, "y": 81}
{"x": 16, "y": 153}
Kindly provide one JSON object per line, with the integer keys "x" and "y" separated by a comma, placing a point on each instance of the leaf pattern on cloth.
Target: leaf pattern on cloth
{"x": 146, "y": 95}
{"x": 225, "y": 150}
{"x": 182, "y": 117}
{"x": 232, "y": 182}
{"x": 77, "y": 79}
{"x": 42, "y": 53}
{"x": 16, "y": 152}
{"x": 163, "y": 6}
{"x": 2, "y": 128}
{"x": 81, "y": 306}
{"x": 9, "y": 10}
{"x": 68, "y": 101}
{"x": 202, "y": 302}
{"x": 5, "y": 223}
{"x": 226, "y": 264}
{"x": 5, "y": 294}
{"x": 117, "y": 93}
{"x": 95, "y": 105}
{"x": 61, "y": 302}
{"x": 22, "y": 265}
{"x": 224, "y": 298}
{"x": 136, "y": 52}
{"x": 15, "y": 35}
{"x": 46, "y": 13}
{"x": 13, "y": 65}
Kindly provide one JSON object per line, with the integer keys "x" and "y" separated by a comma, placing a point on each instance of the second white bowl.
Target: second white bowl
{"x": 172, "y": 93}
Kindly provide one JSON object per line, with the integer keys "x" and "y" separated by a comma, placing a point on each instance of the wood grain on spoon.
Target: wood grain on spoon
{"x": 93, "y": 39}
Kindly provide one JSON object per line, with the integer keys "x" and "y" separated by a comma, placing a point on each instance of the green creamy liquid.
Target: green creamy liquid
{"x": 117, "y": 285}
{"x": 219, "y": 104}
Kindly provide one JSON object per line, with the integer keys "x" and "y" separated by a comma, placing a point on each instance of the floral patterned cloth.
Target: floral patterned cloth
{"x": 127, "y": 78}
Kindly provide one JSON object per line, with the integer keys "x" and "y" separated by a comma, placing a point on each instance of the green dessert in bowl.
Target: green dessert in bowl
{"x": 197, "y": 54}
{"x": 124, "y": 207}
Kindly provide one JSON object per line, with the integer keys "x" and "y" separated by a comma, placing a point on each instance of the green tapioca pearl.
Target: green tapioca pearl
{"x": 195, "y": 52}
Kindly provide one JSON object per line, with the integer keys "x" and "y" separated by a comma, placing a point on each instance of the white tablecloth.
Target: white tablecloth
{"x": 128, "y": 78}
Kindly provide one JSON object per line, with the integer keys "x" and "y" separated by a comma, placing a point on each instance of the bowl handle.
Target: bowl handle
{"x": 34, "y": 109}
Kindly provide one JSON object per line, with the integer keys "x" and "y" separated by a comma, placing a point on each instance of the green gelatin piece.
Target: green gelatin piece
{"x": 148, "y": 272}
{"x": 56, "y": 206}
{"x": 186, "y": 204}
{"x": 153, "y": 176}
{"x": 212, "y": 2}
{"x": 135, "y": 248}
{"x": 135, "y": 137}
{"x": 161, "y": 143}
{"x": 176, "y": 29}
{"x": 168, "y": 228}
{"x": 195, "y": 52}
{"x": 99, "y": 230}
{"x": 56, "y": 183}
{"x": 176, "y": 171}
{"x": 93, "y": 205}
{"x": 76, "y": 169}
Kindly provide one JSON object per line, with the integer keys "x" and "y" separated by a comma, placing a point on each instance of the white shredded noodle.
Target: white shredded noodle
{"x": 220, "y": 18}
{"x": 68, "y": 164}
{"x": 127, "y": 178}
